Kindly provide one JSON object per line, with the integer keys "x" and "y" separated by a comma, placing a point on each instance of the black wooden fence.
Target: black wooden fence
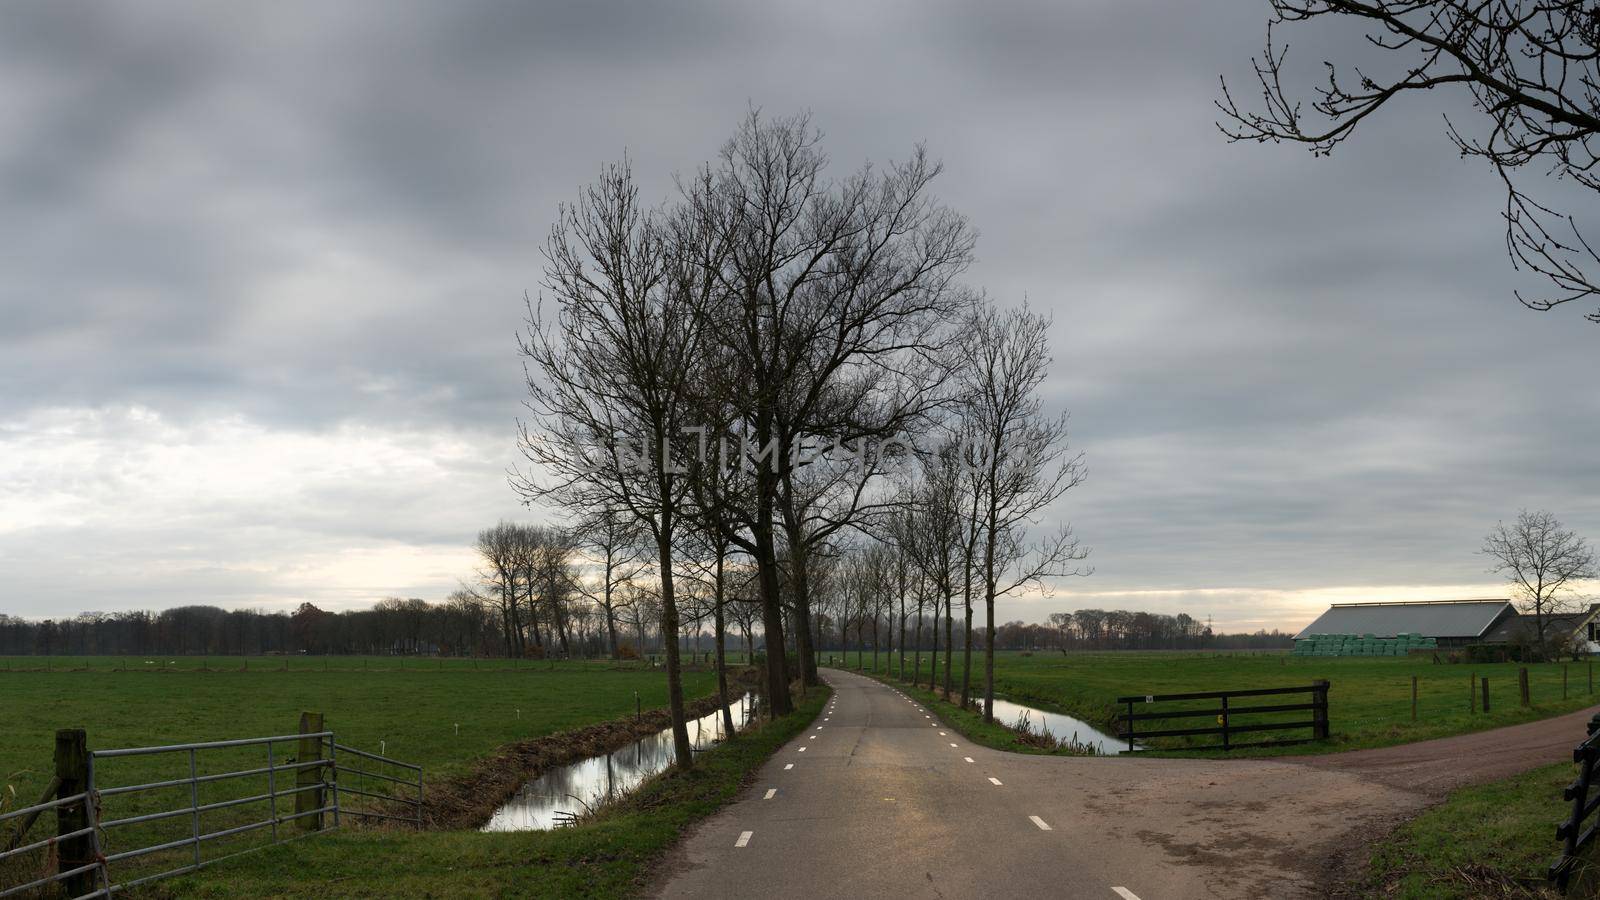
{"x": 1227, "y": 716}
{"x": 1574, "y": 836}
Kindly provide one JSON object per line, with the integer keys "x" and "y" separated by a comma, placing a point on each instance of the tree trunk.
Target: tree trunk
{"x": 902, "y": 581}
{"x": 778, "y": 700}
{"x": 720, "y": 624}
{"x": 669, "y": 626}
{"x": 966, "y": 654}
{"x": 799, "y": 562}
{"x": 916, "y": 668}
{"x": 949, "y": 645}
{"x": 989, "y": 586}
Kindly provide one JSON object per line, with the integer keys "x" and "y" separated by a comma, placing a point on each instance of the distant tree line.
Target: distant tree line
{"x": 465, "y": 625}
{"x": 1089, "y": 629}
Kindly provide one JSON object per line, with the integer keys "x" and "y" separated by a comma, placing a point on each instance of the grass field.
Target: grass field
{"x": 1369, "y": 699}
{"x": 442, "y": 718}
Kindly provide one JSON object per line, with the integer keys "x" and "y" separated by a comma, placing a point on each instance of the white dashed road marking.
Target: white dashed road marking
{"x": 992, "y": 780}
{"x": 952, "y": 745}
{"x": 802, "y": 749}
{"x": 788, "y": 767}
{"x": 1125, "y": 894}
{"x": 744, "y": 838}
{"x": 772, "y": 791}
{"x": 1040, "y": 822}
{"x": 967, "y": 758}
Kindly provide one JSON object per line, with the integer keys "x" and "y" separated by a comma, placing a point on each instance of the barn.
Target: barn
{"x": 1392, "y": 628}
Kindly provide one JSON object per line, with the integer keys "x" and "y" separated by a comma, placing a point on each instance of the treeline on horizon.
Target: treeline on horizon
{"x": 462, "y": 627}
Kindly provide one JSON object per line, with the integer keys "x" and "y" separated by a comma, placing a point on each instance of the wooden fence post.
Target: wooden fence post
{"x": 72, "y": 777}
{"x": 1319, "y": 718}
{"x": 1413, "y": 698}
{"x": 305, "y": 801}
{"x": 1522, "y": 683}
{"x": 1485, "y": 693}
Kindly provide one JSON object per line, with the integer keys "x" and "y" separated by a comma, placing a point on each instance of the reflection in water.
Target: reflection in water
{"x": 543, "y": 802}
{"x": 1060, "y": 725}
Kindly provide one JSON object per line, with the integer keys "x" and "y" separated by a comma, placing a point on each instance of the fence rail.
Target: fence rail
{"x": 1575, "y": 837}
{"x": 86, "y": 842}
{"x": 1226, "y": 715}
{"x": 337, "y": 752}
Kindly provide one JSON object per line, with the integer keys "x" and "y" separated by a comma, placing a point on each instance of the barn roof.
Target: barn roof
{"x": 1564, "y": 625}
{"x": 1431, "y": 618}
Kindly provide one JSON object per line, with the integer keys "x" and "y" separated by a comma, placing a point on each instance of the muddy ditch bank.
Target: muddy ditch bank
{"x": 469, "y": 800}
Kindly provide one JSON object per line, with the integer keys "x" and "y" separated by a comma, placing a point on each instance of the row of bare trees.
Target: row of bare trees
{"x": 777, "y": 369}
{"x": 529, "y": 577}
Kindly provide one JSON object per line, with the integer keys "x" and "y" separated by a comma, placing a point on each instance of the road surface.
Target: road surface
{"x": 878, "y": 798}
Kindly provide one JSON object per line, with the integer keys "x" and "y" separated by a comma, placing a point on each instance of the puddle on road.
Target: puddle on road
{"x": 546, "y": 801}
{"x": 1060, "y": 725}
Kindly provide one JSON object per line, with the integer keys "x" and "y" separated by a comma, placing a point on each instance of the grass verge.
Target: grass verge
{"x": 1492, "y": 840}
{"x": 611, "y": 856}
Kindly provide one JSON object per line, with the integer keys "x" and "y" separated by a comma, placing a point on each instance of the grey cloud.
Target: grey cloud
{"x": 1287, "y": 372}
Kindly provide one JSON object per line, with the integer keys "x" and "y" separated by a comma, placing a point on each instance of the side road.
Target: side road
{"x": 878, "y": 797}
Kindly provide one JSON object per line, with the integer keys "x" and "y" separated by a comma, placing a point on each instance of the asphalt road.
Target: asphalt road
{"x": 878, "y": 798}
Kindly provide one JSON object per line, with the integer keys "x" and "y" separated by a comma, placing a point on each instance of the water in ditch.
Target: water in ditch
{"x": 548, "y": 800}
{"x": 1060, "y": 725}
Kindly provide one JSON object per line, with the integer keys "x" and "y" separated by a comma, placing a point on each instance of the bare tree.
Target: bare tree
{"x": 1020, "y": 456}
{"x": 1530, "y": 67}
{"x": 614, "y": 537}
{"x": 825, "y": 291}
{"x": 607, "y": 380}
{"x": 499, "y": 547}
{"x": 934, "y": 544}
{"x": 556, "y": 579}
{"x": 1543, "y": 560}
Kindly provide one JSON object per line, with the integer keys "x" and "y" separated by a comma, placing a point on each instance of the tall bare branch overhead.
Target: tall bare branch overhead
{"x": 1530, "y": 68}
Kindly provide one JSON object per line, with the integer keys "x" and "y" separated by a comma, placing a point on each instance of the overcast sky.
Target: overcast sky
{"x": 263, "y": 268}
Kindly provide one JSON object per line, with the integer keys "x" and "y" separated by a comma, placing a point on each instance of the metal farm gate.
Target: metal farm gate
{"x": 159, "y": 829}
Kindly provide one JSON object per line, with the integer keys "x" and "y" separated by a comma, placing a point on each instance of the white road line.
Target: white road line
{"x": 788, "y": 767}
{"x": 942, "y": 734}
{"x": 813, "y": 737}
{"x": 744, "y": 838}
{"x": 992, "y": 780}
{"x": 967, "y": 758}
{"x": 772, "y": 791}
{"x": 802, "y": 749}
{"x": 952, "y": 745}
{"x": 1040, "y": 822}
{"x": 1125, "y": 894}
